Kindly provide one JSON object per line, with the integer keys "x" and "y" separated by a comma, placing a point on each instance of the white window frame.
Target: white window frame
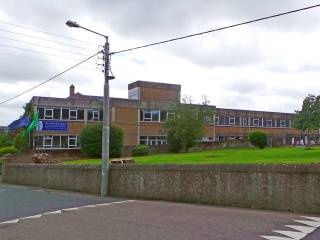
{"x": 215, "y": 120}
{"x": 157, "y": 140}
{"x": 269, "y": 122}
{"x": 48, "y": 117}
{"x": 73, "y": 118}
{"x": 244, "y": 121}
{"x": 254, "y": 121}
{"x": 47, "y": 138}
{"x": 233, "y": 121}
{"x": 72, "y": 137}
{"x": 151, "y": 112}
{"x": 95, "y": 115}
{"x": 283, "y": 123}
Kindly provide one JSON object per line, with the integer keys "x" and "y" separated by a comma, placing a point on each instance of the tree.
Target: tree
{"x": 258, "y": 139}
{"x": 5, "y": 139}
{"x": 91, "y": 140}
{"x": 308, "y": 118}
{"x": 186, "y": 127}
{"x": 21, "y": 143}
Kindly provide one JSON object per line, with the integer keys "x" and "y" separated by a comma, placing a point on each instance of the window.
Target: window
{"x": 153, "y": 140}
{"x": 149, "y": 115}
{"x": 163, "y": 116}
{"x": 216, "y": 120}
{"x": 72, "y": 141}
{"x": 283, "y": 123}
{"x": 155, "y": 115}
{"x": 56, "y": 142}
{"x": 39, "y": 141}
{"x": 73, "y": 114}
{"x": 48, "y": 113}
{"x": 65, "y": 114}
{"x": 244, "y": 121}
{"x": 232, "y": 120}
{"x": 57, "y": 113}
{"x": 80, "y": 115}
{"x": 256, "y": 122}
{"x": 41, "y": 113}
{"x": 93, "y": 115}
{"x": 269, "y": 123}
{"x": 64, "y": 142}
{"x": 47, "y": 142}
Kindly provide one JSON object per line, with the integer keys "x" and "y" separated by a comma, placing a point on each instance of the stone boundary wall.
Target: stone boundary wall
{"x": 276, "y": 187}
{"x": 85, "y": 178}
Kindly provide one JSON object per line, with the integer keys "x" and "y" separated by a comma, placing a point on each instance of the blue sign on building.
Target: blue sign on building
{"x": 52, "y": 126}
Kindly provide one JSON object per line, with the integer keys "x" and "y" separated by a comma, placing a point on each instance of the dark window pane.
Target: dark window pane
{"x": 163, "y": 116}
{"x": 90, "y": 114}
{"x": 41, "y": 113}
{"x": 39, "y": 141}
{"x": 56, "y": 142}
{"x": 56, "y": 113}
{"x": 64, "y": 142}
{"x": 141, "y": 115}
{"x": 101, "y": 116}
{"x": 80, "y": 114}
{"x": 65, "y": 113}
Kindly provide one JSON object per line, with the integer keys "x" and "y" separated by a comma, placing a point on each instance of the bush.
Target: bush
{"x": 5, "y": 150}
{"x": 141, "y": 150}
{"x": 91, "y": 141}
{"x": 5, "y": 140}
{"x": 21, "y": 143}
{"x": 258, "y": 139}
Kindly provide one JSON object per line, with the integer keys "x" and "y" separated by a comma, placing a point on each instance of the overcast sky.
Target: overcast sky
{"x": 269, "y": 65}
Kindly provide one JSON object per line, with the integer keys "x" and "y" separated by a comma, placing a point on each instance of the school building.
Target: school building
{"x": 142, "y": 115}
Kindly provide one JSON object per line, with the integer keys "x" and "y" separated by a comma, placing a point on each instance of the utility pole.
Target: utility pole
{"x": 106, "y": 128}
{"x": 106, "y": 99}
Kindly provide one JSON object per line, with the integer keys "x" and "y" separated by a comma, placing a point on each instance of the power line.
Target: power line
{"x": 217, "y": 29}
{"x": 42, "y": 60}
{"x": 48, "y": 33}
{"x": 44, "y": 46}
{"x": 40, "y": 52}
{"x": 48, "y": 40}
{"x": 50, "y": 79}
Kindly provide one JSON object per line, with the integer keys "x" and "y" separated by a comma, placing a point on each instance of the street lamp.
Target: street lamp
{"x": 105, "y": 132}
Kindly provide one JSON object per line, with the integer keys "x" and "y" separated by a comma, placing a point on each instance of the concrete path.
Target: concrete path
{"x": 90, "y": 217}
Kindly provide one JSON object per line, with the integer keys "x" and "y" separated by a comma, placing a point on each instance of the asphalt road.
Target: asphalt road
{"x": 20, "y": 201}
{"x": 135, "y": 220}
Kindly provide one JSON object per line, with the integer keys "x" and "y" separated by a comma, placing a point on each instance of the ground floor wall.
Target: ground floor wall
{"x": 275, "y": 187}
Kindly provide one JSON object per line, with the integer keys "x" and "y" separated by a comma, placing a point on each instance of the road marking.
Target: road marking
{"x": 301, "y": 232}
{"x": 55, "y": 212}
{"x": 317, "y": 219}
{"x": 3, "y": 190}
{"x": 309, "y": 223}
{"x": 63, "y": 210}
{"x": 32, "y": 217}
{"x": 276, "y": 238}
{"x": 292, "y": 234}
{"x": 302, "y": 228}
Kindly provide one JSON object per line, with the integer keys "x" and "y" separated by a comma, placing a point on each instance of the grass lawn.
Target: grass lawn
{"x": 228, "y": 156}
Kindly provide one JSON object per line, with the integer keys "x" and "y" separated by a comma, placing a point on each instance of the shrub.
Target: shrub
{"x": 5, "y": 140}
{"x": 91, "y": 140}
{"x": 258, "y": 139}
{"x": 21, "y": 143}
{"x": 141, "y": 150}
{"x": 9, "y": 149}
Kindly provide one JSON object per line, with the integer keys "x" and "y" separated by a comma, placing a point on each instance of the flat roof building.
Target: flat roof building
{"x": 142, "y": 115}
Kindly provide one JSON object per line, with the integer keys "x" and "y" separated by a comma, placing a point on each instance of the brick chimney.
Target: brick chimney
{"x": 71, "y": 90}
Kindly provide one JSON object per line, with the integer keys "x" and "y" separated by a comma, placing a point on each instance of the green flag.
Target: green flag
{"x": 32, "y": 125}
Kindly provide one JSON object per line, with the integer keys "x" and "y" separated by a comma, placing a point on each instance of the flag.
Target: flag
{"x": 20, "y": 123}
{"x": 32, "y": 125}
